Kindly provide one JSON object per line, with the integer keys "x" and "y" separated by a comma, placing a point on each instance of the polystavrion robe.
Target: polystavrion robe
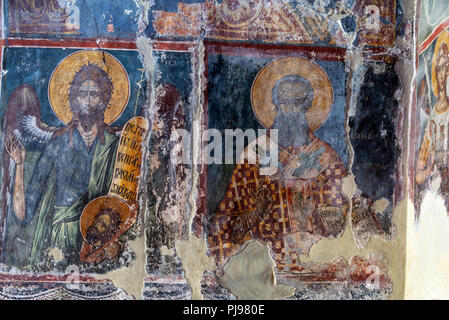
{"x": 302, "y": 210}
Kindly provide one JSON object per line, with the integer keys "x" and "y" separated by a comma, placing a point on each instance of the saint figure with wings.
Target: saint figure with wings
{"x": 74, "y": 167}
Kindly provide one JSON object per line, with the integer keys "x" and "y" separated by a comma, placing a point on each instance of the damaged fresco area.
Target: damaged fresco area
{"x": 65, "y": 157}
{"x": 368, "y": 22}
{"x": 105, "y": 136}
{"x": 376, "y": 123}
{"x": 301, "y": 202}
{"x": 169, "y": 186}
{"x": 72, "y": 136}
{"x": 80, "y": 19}
{"x": 428, "y": 156}
{"x": 429, "y": 135}
{"x": 323, "y": 145}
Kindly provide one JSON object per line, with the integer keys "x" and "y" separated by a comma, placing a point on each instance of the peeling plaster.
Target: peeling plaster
{"x": 146, "y": 51}
{"x": 131, "y": 279}
{"x": 356, "y": 69}
{"x": 166, "y": 251}
{"x": 394, "y": 251}
{"x": 380, "y": 205}
{"x": 428, "y": 251}
{"x": 195, "y": 262}
{"x": 192, "y": 252}
{"x": 121, "y": 278}
{"x": 144, "y": 8}
{"x": 56, "y": 253}
{"x": 349, "y": 186}
{"x": 250, "y": 275}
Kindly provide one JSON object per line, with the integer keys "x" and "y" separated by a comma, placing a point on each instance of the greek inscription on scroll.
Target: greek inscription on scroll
{"x": 125, "y": 180}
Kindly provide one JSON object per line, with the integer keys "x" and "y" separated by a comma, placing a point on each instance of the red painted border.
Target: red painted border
{"x": 377, "y": 54}
{"x": 92, "y": 43}
{"x": 280, "y": 50}
{"x": 435, "y": 33}
{"x": 173, "y": 46}
{"x": 274, "y": 51}
{"x": 20, "y": 278}
{"x": 66, "y": 43}
{"x": 213, "y": 47}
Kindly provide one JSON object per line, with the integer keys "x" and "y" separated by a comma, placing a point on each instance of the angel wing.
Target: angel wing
{"x": 22, "y": 118}
{"x": 33, "y": 130}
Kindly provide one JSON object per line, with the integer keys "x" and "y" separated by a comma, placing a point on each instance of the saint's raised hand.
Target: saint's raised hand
{"x": 15, "y": 149}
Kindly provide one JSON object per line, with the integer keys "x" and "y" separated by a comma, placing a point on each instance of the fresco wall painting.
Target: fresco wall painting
{"x": 91, "y": 121}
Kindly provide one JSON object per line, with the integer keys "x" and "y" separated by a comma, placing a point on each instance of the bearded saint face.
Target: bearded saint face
{"x": 105, "y": 225}
{"x": 88, "y": 103}
{"x": 293, "y": 96}
{"x": 89, "y": 96}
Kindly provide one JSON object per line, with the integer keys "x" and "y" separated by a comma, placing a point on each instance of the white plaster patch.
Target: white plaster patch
{"x": 436, "y": 181}
{"x": 166, "y": 251}
{"x": 56, "y": 254}
{"x": 428, "y": 251}
{"x": 380, "y": 205}
{"x": 130, "y": 279}
{"x": 349, "y": 186}
{"x": 195, "y": 262}
{"x": 250, "y": 275}
{"x": 144, "y": 8}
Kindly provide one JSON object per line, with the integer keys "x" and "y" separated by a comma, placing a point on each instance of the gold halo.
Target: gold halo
{"x": 265, "y": 80}
{"x": 91, "y": 210}
{"x": 62, "y": 76}
{"x": 442, "y": 38}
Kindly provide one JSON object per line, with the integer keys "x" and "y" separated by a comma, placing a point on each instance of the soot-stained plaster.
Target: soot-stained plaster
{"x": 180, "y": 68}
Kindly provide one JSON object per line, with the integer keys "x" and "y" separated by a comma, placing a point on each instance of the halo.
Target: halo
{"x": 105, "y": 202}
{"x": 62, "y": 76}
{"x": 265, "y": 80}
{"x": 442, "y": 38}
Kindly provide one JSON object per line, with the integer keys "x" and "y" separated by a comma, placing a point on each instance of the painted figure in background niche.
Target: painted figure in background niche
{"x": 302, "y": 200}
{"x": 168, "y": 183}
{"x": 77, "y": 160}
{"x": 432, "y": 165}
{"x": 44, "y": 16}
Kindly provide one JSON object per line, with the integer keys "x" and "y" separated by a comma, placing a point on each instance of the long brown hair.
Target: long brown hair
{"x": 89, "y": 72}
{"x": 24, "y": 99}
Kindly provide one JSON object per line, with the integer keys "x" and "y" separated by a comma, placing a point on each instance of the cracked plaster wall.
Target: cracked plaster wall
{"x": 393, "y": 249}
{"x": 186, "y": 254}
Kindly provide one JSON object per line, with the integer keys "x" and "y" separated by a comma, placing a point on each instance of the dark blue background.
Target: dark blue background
{"x": 34, "y": 66}
{"x": 229, "y": 88}
{"x": 93, "y": 24}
